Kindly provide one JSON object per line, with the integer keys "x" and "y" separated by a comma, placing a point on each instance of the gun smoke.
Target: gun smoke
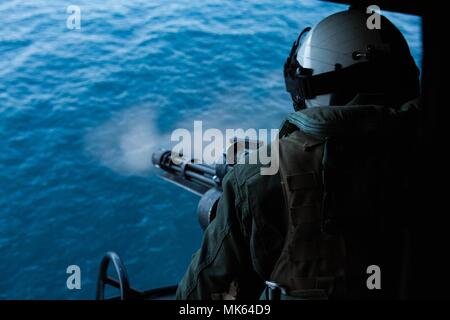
{"x": 126, "y": 142}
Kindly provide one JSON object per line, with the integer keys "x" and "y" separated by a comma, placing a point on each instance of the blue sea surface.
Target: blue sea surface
{"x": 82, "y": 110}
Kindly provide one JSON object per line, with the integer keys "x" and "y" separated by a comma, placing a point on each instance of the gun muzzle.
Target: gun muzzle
{"x": 185, "y": 168}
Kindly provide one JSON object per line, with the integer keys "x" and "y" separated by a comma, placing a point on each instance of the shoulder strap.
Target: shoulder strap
{"x": 311, "y": 259}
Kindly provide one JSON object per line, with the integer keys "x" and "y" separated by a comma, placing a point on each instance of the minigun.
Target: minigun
{"x": 204, "y": 180}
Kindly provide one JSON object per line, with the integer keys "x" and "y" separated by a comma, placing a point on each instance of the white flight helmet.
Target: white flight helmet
{"x": 341, "y": 57}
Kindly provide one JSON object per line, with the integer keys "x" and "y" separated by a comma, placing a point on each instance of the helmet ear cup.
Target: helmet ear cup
{"x": 340, "y": 97}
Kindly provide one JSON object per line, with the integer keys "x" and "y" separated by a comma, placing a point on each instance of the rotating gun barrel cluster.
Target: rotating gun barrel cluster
{"x": 204, "y": 180}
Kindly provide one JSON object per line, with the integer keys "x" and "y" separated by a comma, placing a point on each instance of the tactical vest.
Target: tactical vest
{"x": 344, "y": 173}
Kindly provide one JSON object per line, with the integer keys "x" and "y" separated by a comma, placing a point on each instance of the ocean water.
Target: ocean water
{"x": 82, "y": 110}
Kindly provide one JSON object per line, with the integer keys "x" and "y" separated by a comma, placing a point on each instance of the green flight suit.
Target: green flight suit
{"x": 242, "y": 244}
